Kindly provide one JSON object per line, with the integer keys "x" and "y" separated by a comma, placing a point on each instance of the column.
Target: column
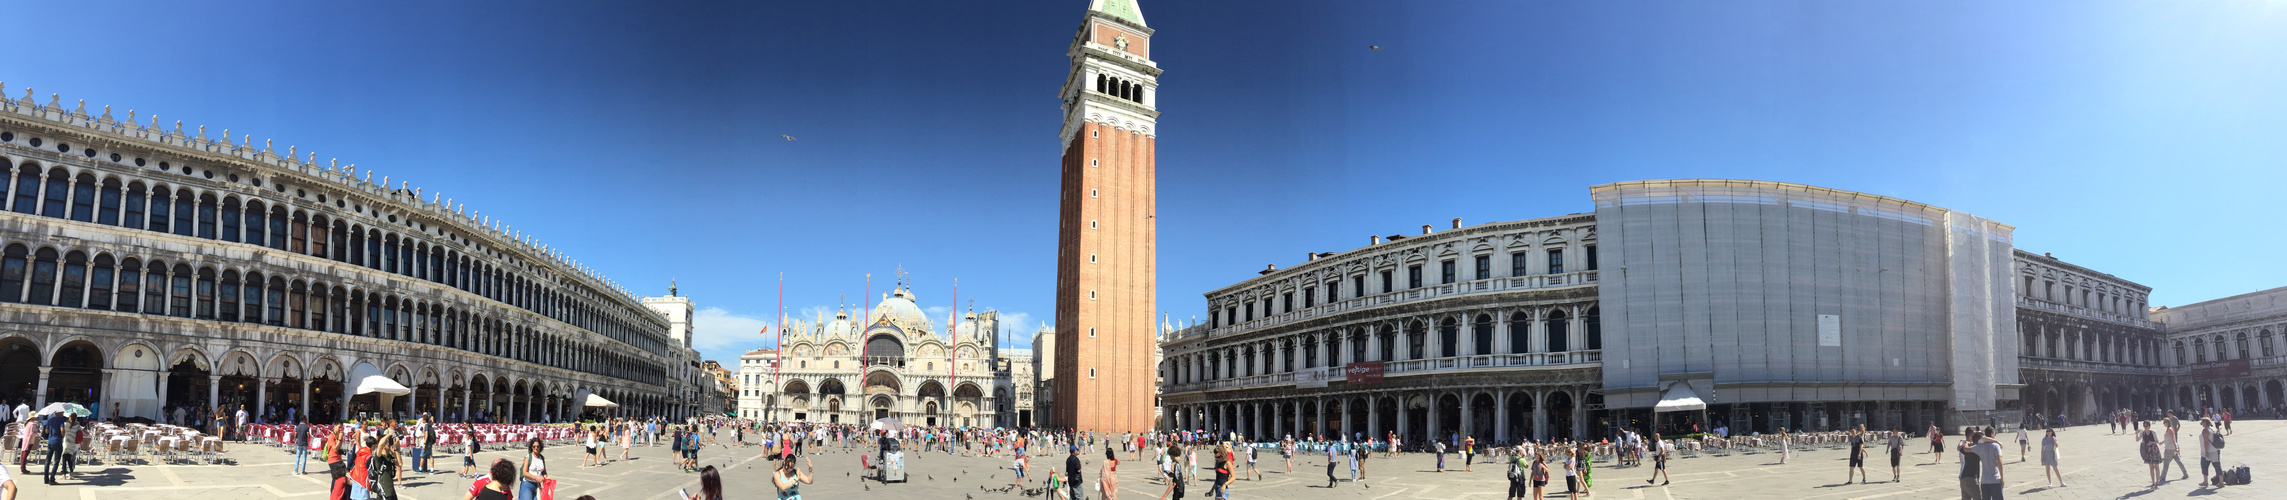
{"x": 413, "y": 401}
{"x": 1373, "y": 416}
{"x": 1575, "y": 326}
{"x": 213, "y": 393}
{"x": 344, "y": 403}
{"x": 40, "y": 399}
{"x": 1540, "y": 415}
{"x": 305, "y": 411}
{"x": 1468, "y": 418}
{"x": 1501, "y": 417}
{"x": 1536, "y": 332}
{"x": 1300, "y": 426}
{"x": 1405, "y": 425}
{"x": 1501, "y": 331}
{"x": 1255, "y": 411}
{"x": 261, "y": 397}
{"x": 103, "y": 397}
{"x": 1318, "y": 422}
{"x": 1436, "y": 431}
{"x": 1579, "y": 414}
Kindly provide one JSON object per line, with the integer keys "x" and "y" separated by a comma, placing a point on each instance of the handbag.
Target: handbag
{"x": 547, "y": 488}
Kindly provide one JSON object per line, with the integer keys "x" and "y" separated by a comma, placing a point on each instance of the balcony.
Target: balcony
{"x": 1454, "y": 364}
{"x": 2090, "y": 366}
{"x": 2095, "y": 314}
{"x": 1491, "y": 285}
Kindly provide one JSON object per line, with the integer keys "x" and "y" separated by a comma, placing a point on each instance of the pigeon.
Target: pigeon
{"x": 789, "y": 137}
{"x": 1377, "y": 48}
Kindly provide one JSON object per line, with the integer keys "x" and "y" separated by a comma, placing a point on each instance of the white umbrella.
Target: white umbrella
{"x": 68, "y": 409}
{"x": 889, "y": 424}
{"x": 372, "y": 381}
{"x": 594, "y": 400}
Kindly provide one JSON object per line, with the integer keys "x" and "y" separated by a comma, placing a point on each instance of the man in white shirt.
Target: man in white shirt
{"x": 238, "y": 423}
{"x": 23, "y": 412}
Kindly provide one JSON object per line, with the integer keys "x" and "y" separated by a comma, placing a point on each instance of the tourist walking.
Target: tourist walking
{"x": 1571, "y": 476}
{"x": 1786, "y": 446}
{"x": 1991, "y": 474}
{"x": 2211, "y": 453}
{"x": 1286, "y": 450}
{"x": 2170, "y": 452}
{"x": 301, "y": 446}
{"x": 1897, "y": 444}
{"x": 535, "y": 470}
{"x": 1659, "y": 451}
{"x": 2049, "y": 459}
{"x": 1439, "y": 447}
{"x": 2147, "y": 445}
{"x": 1937, "y": 444}
{"x": 1072, "y": 475}
{"x": 1856, "y": 468}
{"x": 2022, "y": 443}
{"x": 1469, "y": 454}
{"x": 1108, "y": 477}
{"x": 1970, "y": 490}
{"x": 386, "y": 464}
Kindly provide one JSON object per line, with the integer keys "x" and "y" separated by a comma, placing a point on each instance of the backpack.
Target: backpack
{"x": 2215, "y": 439}
{"x": 1513, "y": 472}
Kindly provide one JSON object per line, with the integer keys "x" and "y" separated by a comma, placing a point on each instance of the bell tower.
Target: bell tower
{"x": 1106, "y": 243}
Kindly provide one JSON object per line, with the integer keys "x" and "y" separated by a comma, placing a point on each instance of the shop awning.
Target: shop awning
{"x": 370, "y": 381}
{"x": 594, "y": 400}
{"x": 1679, "y": 397}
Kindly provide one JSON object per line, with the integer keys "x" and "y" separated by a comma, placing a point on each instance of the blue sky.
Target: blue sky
{"x": 2145, "y": 139}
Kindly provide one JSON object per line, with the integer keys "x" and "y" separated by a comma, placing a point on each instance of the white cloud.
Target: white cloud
{"x": 722, "y": 335}
{"x": 1018, "y": 328}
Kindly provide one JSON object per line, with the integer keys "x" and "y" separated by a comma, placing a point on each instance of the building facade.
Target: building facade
{"x": 890, "y": 361}
{"x": 756, "y": 368}
{"x": 1106, "y": 236}
{"x": 2225, "y": 353}
{"x": 1752, "y": 305}
{"x": 146, "y": 268}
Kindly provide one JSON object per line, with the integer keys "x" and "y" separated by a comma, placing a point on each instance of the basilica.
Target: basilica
{"x": 891, "y": 361}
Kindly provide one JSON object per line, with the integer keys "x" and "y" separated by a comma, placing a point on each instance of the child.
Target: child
{"x": 1055, "y": 484}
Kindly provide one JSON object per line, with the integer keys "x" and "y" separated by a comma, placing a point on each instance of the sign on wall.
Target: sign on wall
{"x": 1364, "y": 372}
{"x": 1830, "y": 330}
{"x": 1314, "y": 378}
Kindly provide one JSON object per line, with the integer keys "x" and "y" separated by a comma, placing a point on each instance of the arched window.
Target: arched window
{"x": 2200, "y": 350}
{"x": 388, "y": 312}
{"x": 389, "y": 253}
{"x": 130, "y": 286}
{"x": 59, "y": 187}
{"x": 1099, "y": 84}
{"x": 205, "y": 291}
{"x": 43, "y": 290}
{"x": 28, "y": 189}
{"x": 1139, "y": 94}
{"x": 1483, "y": 335}
{"x": 1388, "y": 350}
{"x": 297, "y": 305}
{"x": 1593, "y": 324}
{"x": 256, "y": 219}
{"x": 2241, "y": 345}
{"x": 107, "y": 211}
{"x": 83, "y": 199}
{"x": 320, "y": 303}
{"x": 185, "y": 207}
{"x": 155, "y": 289}
{"x": 99, "y": 285}
{"x": 356, "y": 246}
{"x": 278, "y": 227}
{"x": 206, "y": 208}
{"x": 1520, "y": 332}
{"x": 12, "y": 268}
{"x": 1558, "y": 326}
{"x": 161, "y": 205}
{"x": 133, "y": 218}
{"x": 74, "y": 289}
{"x": 2267, "y": 349}
{"x": 1448, "y": 335}
{"x": 1417, "y": 337}
{"x": 262, "y": 301}
{"x": 178, "y": 289}
{"x": 230, "y": 218}
{"x": 228, "y": 297}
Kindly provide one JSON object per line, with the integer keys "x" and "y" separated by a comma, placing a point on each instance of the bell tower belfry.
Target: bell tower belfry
{"x": 1106, "y": 241}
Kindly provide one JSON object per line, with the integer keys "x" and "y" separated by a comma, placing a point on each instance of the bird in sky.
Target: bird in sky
{"x": 1376, "y": 48}
{"x": 789, "y": 137}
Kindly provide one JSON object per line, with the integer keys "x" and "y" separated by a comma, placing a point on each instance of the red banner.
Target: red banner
{"x": 1365, "y": 372}
{"x": 2220, "y": 370}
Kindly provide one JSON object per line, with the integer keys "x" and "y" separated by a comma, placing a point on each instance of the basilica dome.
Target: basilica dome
{"x": 898, "y": 308}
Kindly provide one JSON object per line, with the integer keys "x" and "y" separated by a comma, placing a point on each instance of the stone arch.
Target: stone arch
{"x": 284, "y": 364}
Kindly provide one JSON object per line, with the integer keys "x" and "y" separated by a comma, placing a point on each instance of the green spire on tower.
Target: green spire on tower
{"x": 1126, "y": 10}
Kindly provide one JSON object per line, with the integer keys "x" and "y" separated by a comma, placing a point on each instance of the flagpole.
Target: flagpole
{"x": 954, "y": 368}
{"x": 778, "y": 363}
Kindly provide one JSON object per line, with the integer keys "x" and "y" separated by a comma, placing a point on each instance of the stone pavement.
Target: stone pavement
{"x": 2096, "y": 465}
